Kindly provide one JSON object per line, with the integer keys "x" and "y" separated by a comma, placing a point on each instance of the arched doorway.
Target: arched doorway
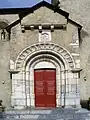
{"x": 45, "y": 84}
{"x": 55, "y": 57}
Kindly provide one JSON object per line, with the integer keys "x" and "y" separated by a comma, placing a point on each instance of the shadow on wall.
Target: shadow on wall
{"x": 85, "y": 104}
{"x": 83, "y": 34}
{"x": 3, "y": 24}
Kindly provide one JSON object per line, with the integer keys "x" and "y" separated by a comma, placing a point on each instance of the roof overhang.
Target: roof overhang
{"x": 22, "y": 12}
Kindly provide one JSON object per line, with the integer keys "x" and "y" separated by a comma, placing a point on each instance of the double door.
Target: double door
{"x": 45, "y": 87}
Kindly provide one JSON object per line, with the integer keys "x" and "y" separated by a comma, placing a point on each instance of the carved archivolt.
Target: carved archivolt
{"x": 60, "y": 51}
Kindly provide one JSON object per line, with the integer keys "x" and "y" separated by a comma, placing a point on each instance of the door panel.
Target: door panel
{"x": 39, "y": 89}
{"x": 45, "y": 88}
{"x": 50, "y": 80}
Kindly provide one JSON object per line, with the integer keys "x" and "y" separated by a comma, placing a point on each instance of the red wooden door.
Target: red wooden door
{"x": 45, "y": 88}
{"x": 50, "y": 87}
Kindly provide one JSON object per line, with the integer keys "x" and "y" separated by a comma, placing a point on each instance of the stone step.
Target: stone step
{"x": 36, "y": 111}
{"x": 52, "y": 114}
{"x": 23, "y": 117}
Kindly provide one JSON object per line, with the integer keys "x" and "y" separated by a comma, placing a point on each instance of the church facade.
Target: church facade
{"x": 41, "y": 58}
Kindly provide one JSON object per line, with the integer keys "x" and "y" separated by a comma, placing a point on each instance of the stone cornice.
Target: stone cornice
{"x": 43, "y": 26}
{"x": 76, "y": 70}
{"x": 13, "y": 71}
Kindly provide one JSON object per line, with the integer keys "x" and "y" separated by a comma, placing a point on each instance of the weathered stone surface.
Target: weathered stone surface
{"x": 50, "y": 114}
{"x": 9, "y": 50}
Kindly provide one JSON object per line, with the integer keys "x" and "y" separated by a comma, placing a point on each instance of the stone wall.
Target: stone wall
{"x": 5, "y": 81}
{"x": 9, "y": 50}
{"x": 79, "y": 11}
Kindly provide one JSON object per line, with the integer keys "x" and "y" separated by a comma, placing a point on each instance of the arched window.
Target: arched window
{"x": 2, "y": 29}
{"x": 2, "y": 34}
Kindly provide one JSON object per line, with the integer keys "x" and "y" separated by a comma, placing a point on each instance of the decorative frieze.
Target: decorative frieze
{"x": 47, "y": 47}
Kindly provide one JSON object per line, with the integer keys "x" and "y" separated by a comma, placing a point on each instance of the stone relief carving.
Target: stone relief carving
{"x": 44, "y": 36}
{"x": 44, "y": 46}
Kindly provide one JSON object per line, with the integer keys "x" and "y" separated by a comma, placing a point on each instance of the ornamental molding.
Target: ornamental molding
{"x": 39, "y": 47}
{"x": 43, "y": 26}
